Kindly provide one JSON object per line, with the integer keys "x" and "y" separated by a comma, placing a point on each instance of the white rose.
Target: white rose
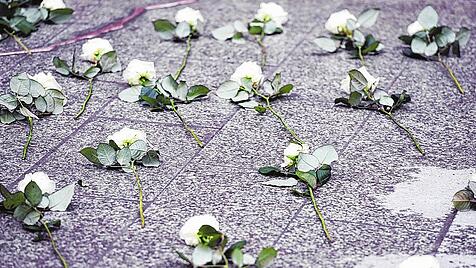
{"x": 248, "y": 259}
{"x": 41, "y": 179}
{"x": 138, "y": 72}
{"x": 93, "y": 49}
{"x": 417, "y": 261}
{"x": 248, "y": 69}
{"x": 189, "y": 15}
{"x": 292, "y": 151}
{"x": 52, "y": 4}
{"x": 272, "y": 12}
{"x": 189, "y": 231}
{"x": 127, "y": 136}
{"x": 372, "y": 82}
{"x": 414, "y": 28}
{"x": 337, "y": 22}
{"x": 47, "y": 80}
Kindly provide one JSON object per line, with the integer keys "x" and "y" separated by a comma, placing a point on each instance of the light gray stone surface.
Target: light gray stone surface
{"x": 377, "y": 165}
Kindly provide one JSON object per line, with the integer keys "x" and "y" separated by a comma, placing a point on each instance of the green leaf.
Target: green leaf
{"x": 197, "y": 91}
{"x": 6, "y": 117}
{"x": 22, "y": 25}
{"x": 40, "y": 104}
{"x": 323, "y": 174}
{"x": 183, "y": 257}
{"x": 130, "y": 94}
{"x": 249, "y": 104}
{"x": 368, "y": 17}
{"x": 462, "y": 200}
{"x": 326, "y": 43}
{"x": 270, "y": 27}
{"x": 266, "y": 257}
{"x": 113, "y": 145}
{"x": 60, "y": 15}
{"x": 33, "y": 193}
{"x": 61, "y": 66}
{"x": 463, "y": 36}
{"x": 290, "y": 182}
{"x": 91, "y": 154}
{"x": 237, "y": 257}
{"x": 358, "y": 82}
{"x": 255, "y": 30}
{"x": 286, "y": 89}
{"x": 165, "y": 28}
{"x": 21, "y": 211}
{"x": 181, "y": 91}
{"x": 418, "y": 45}
{"x": 124, "y": 157}
{"x": 151, "y": 159}
{"x": 308, "y": 177}
{"x": 355, "y": 98}
{"x": 260, "y": 109}
{"x": 36, "y": 89}
{"x": 20, "y": 84}
{"x": 60, "y": 200}
{"x": 169, "y": 84}
{"x": 32, "y": 218}
{"x": 27, "y": 113}
{"x": 109, "y": 63}
{"x": 4, "y": 192}
{"x": 106, "y": 154}
{"x": 224, "y": 33}
{"x": 406, "y": 39}
{"x": 91, "y": 72}
{"x": 359, "y": 38}
{"x": 271, "y": 171}
{"x": 9, "y": 101}
{"x": 431, "y": 49}
{"x": 14, "y": 200}
{"x": 209, "y": 236}
{"x": 237, "y": 245}
{"x": 183, "y": 29}
{"x": 428, "y": 18}
{"x": 326, "y": 154}
{"x": 138, "y": 149}
{"x": 202, "y": 255}
{"x": 228, "y": 90}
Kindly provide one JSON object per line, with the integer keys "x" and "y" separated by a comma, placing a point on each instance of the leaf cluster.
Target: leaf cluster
{"x": 236, "y": 31}
{"x": 434, "y": 39}
{"x": 27, "y": 96}
{"x": 177, "y": 32}
{"x": 212, "y": 250}
{"x": 108, "y": 63}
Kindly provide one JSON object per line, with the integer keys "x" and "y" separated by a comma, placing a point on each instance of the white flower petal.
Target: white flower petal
{"x": 137, "y": 69}
{"x": 338, "y": 20}
{"x": 45, "y": 184}
{"x": 248, "y": 69}
{"x": 189, "y": 15}
{"x": 93, "y": 49}
{"x": 190, "y": 229}
{"x": 127, "y": 136}
{"x": 52, "y": 4}
{"x": 272, "y": 12}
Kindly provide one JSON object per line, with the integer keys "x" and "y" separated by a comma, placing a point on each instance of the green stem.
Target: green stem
{"x": 410, "y": 134}
{"x": 264, "y": 55}
{"x": 19, "y": 42}
{"x": 90, "y": 93}
{"x": 28, "y": 139}
{"x": 319, "y": 214}
{"x": 361, "y": 57}
{"x": 141, "y": 205}
{"x": 453, "y": 76}
{"x": 53, "y": 244}
{"x": 189, "y": 129}
{"x": 185, "y": 58}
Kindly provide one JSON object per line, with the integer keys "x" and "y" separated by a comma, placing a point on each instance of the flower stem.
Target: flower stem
{"x": 141, "y": 205}
{"x": 19, "y": 42}
{"x": 53, "y": 244}
{"x": 361, "y": 57}
{"x": 189, "y": 129}
{"x": 319, "y": 214}
{"x": 28, "y": 139}
{"x": 185, "y": 58}
{"x": 453, "y": 76}
{"x": 410, "y": 134}
{"x": 264, "y": 55}
{"x": 90, "y": 93}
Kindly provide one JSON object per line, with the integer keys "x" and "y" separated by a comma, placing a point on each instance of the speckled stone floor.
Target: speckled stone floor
{"x": 384, "y": 202}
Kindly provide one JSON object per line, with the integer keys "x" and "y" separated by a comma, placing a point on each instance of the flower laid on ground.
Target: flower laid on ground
{"x": 31, "y": 97}
{"x": 346, "y": 34}
{"x": 18, "y": 17}
{"x": 36, "y": 195}
{"x": 202, "y": 232}
{"x": 430, "y": 41}
{"x": 125, "y": 149}
{"x": 159, "y": 94}
{"x": 189, "y": 24}
{"x": 364, "y": 94}
{"x": 464, "y": 200}
{"x": 103, "y": 59}
{"x": 268, "y": 20}
{"x": 420, "y": 261}
{"x": 247, "y": 82}
{"x": 314, "y": 170}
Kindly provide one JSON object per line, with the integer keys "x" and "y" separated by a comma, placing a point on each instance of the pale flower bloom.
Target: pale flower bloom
{"x": 45, "y": 184}
{"x": 47, "y": 80}
{"x": 138, "y": 72}
{"x": 189, "y": 15}
{"x": 127, "y": 136}
{"x": 52, "y": 4}
{"x": 272, "y": 12}
{"x": 292, "y": 152}
{"x": 414, "y": 28}
{"x": 337, "y": 22}
{"x": 420, "y": 261}
{"x": 189, "y": 231}
{"x": 94, "y": 48}
{"x": 248, "y": 69}
{"x": 372, "y": 82}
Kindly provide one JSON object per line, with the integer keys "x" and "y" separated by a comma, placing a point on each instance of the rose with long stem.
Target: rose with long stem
{"x": 264, "y": 55}
{"x": 453, "y": 76}
{"x": 141, "y": 205}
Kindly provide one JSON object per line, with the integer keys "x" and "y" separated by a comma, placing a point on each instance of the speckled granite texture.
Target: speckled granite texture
{"x": 101, "y": 227}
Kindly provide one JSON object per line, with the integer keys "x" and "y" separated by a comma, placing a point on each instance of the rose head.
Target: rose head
{"x": 139, "y": 72}
{"x": 337, "y": 22}
{"x": 272, "y": 12}
{"x": 189, "y": 231}
{"x": 370, "y": 85}
{"x": 47, "y": 80}
{"x": 250, "y": 70}
{"x": 93, "y": 49}
{"x": 292, "y": 152}
{"x": 52, "y": 4}
{"x": 127, "y": 136}
{"x": 189, "y": 15}
{"x": 45, "y": 184}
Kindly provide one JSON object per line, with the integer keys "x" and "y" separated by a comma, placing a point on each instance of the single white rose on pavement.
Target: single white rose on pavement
{"x": 189, "y": 15}
{"x": 248, "y": 69}
{"x": 127, "y": 136}
{"x": 94, "y": 48}
{"x": 420, "y": 261}
{"x": 52, "y": 4}
{"x": 272, "y": 12}
{"x": 337, "y": 22}
{"x": 138, "y": 72}
{"x": 45, "y": 184}
{"x": 189, "y": 231}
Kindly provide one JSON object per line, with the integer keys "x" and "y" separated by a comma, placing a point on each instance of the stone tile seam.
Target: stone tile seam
{"x": 167, "y": 124}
